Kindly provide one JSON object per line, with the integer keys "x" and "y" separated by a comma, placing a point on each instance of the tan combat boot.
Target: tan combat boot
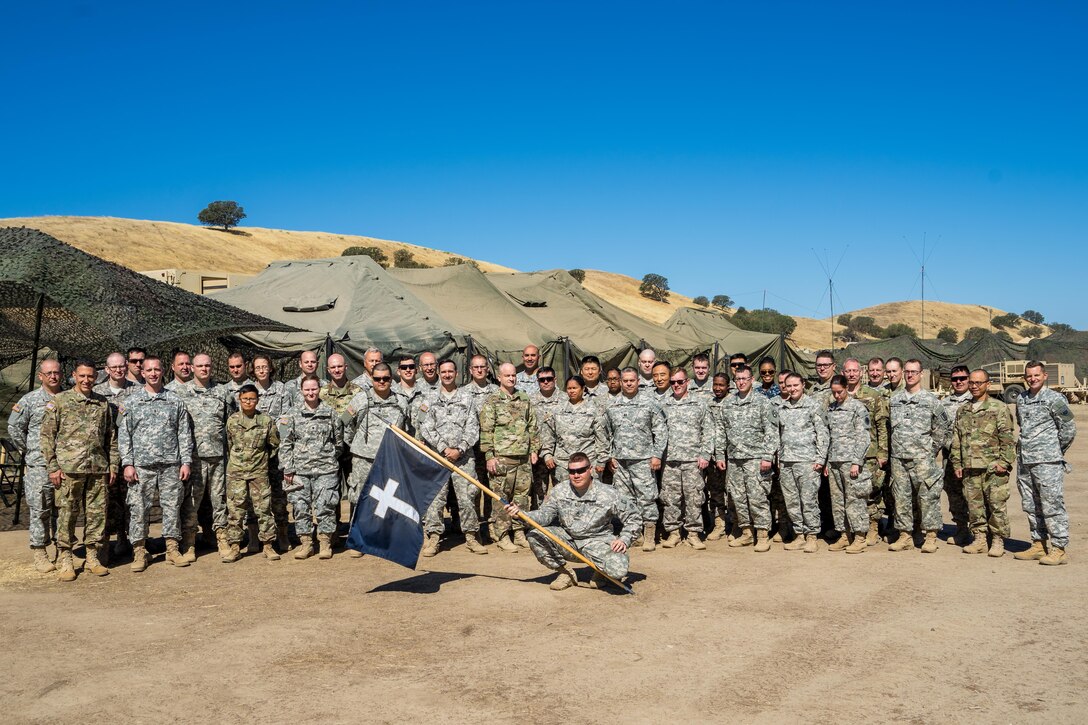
{"x": 282, "y": 539}
{"x": 232, "y": 554}
{"x": 270, "y": 552}
{"x": 978, "y": 546}
{"x": 718, "y": 531}
{"x": 188, "y": 546}
{"x": 254, "y": 543}
{"x": 139, "y": 556}
{"x": 743, "y": 538}
{"x": 841, "y": 543}
{"x": 173, "y": 555}
{"x": 41, "y": 561}
{"x": 324, "y": 546}
{"x": 904, "y": 542}
{"x": 812, "y": 543}
{"x": 221, "y": 543}
{"x": 1055, "y": 557}
{"x": 1034, "y": 553}
{"x": 305, "y": 547}
{"x": 873, "y": 537}
{"x": 649, "y": 536}
{"x": 763, "y": 542}
{"x": 66, "y": 572}
{"x": 563, "y": 580}
{"x": 598, "y": 582}
{"x": 354, "y": 554}
{"x": 671, "y": 540}
{"x": 430, "y": 545}
{"x": 997, "y": 547}
{"x": 960, "y": 537}
{"x": 92, "y": 564}
{"x": 695, "y": 542}
{"x": 929, "y": 546}
{"x": 797, "y": 544}
{"x": 858, "y": 545}
{"x": 504, "y": 543}
{"x": 777, "y": 538}
{"x": 520, "y": 540}
{"x": 473, "y": 544}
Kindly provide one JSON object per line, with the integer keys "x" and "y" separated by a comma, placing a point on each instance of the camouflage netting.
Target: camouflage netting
{"x": 1063, "y": 347}
{"x": 91, "y": 307}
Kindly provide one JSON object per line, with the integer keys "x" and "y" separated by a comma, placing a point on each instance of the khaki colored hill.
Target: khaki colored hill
{"x": 622, "y": 291}
{"x": 144, "y": 245}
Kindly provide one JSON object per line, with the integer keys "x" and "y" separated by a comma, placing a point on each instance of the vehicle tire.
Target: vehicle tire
{"x": 1010, "y": 394}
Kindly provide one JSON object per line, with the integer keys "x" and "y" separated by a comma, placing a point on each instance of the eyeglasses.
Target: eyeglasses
{"x": 959, "y": 378}
{"x": 678, "y": 382}
{"x": 406, "y": 367}
{"x": 135, "y": 360}
{"x": 824, "y": 365}
{"x": 382, "y": 379}
{"x": 736, "y": 365}
{"x": 766, "y": 372}
{"x": 545, "y": 380}
{"x": 577, "y": 471}
{"x": 976, "y": 383}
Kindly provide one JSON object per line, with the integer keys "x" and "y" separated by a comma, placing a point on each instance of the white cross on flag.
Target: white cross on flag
{"x": 401, "y": 486}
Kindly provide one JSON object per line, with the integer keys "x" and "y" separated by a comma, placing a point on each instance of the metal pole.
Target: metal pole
{"x": 37, "y": 340}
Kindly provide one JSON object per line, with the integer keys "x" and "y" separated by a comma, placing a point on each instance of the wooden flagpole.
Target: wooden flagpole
{"x": 418, "y": 445}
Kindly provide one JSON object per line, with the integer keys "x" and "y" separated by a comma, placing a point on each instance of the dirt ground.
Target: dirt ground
{"x": 719, "y": 635}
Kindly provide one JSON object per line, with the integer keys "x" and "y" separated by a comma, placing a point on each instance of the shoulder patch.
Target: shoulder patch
{"x": 283, "y": 420}
{"x": 50, "y": 405}
{"x": 17, "y": 408}
{"x": 120, "y": 408}
{"x": 351, "y": 411}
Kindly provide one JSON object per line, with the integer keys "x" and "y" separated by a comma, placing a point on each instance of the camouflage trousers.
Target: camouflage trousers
{"x": 40, "y": 498}
{"x": 544, "y": 478}
{"x": 117, "y": 518}
{"x": 597, "y": 550}
{"x": 466, "y": 495}
{"x": 164, "y": 481}
{"x": 202, "y": 473}
{"x": 634, "y": 479}
{"x": 800, "y": 487}
{"x": 682, "y": 496}
{"x": 318, "y": 497}
{"x": 916, "y": 480}
{"x": 244, "y": 491}
{"x": 957, "y": 502}
{"x": 1042, "y": 495}
{"x": 512, "y": 481}
{"x": 987, "y": 495}
{"x": 360, "y": 469}
{"x": 86, "y": 492}
{"x": 776, "y": 499}
{"x": 750, "y": 488}
{"x": 850, "y": 498}
{"x": 875, "y": 502}
{"x": 278, "y": 500}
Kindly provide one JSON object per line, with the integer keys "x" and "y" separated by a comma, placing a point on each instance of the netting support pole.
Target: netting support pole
{"x": 37, "y": 341}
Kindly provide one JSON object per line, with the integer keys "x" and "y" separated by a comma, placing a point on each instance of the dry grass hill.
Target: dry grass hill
{"x": 144, "y": 245}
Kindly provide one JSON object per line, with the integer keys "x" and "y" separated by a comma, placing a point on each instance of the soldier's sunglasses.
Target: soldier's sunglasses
{"x": 959, "y": 378}
{"x": 546, "y": 380}
{"x": 577, "y": 471}
{"x": 382, "y": 379}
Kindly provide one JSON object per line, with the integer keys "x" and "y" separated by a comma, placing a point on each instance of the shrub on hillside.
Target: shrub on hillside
{"x": 768, "y": 320}
{"x": 373, "y": 252}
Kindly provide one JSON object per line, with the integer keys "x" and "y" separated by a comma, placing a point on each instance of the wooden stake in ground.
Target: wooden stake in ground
{"x": 419, "y": 445}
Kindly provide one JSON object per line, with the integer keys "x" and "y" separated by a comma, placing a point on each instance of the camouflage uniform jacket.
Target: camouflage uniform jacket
{"x": 78, "y": 434}
{"x": 572, "y": 428}
{"x": 363, "y": 381}
{"x": 154, "y": 429}
{"x": 232, "y": 387}
{"x": 368, "y": 417}
{"x": 883, "y": 386}
{"x": 115, "y": 396}
{"x": 705, "y": 389}
{"x": 590, "y": 515}
{"x": 1046, "y": 427}
{"x": 208, "y": 409}
{"x": 848, "y": 424}
{"x": 714, "y": 407}
{"x": 424, "y": 386}
{"x": 749, "y": 428}
{"x": 479, "y": 393}
{"x": 508, "y": 426}
{"x": 920, "y": 425}
{"x": 25, "y": 425}
{"x": 545, "y": 407}
{"x": 877, "y": 405}
{"x": 311, "y": 441}
{"x": 450, "y": 421}
{"x": 274, "y": 400}
{"x": 636, "y": 427}
{"x": 174, "y": 384}
{"x": 952, "y": 404}
{"x": 803, "y": 431}
{"x": 252, "y": 441}
{"x": 691, "y": 429}
{"x": 414, "y": 399}
{"x": 821, "y": 391}
{"x": 982, "y": 436}
{"x": 338, "y": 398}
{"x": 526, "y": 383}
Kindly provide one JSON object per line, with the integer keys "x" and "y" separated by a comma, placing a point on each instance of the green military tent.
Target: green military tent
{"x": 725, "y": 338}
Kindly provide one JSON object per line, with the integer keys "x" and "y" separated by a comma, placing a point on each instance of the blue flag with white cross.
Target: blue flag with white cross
{"x": 388, "y": 520}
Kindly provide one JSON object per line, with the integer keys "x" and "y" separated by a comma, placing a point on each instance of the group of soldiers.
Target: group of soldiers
{"x": 621, "y": 457}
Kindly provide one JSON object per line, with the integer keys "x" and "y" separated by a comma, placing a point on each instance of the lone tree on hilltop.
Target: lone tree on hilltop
{"x": 373, "y": 252}
{"x": 722, "y": 301}
{"x": 224, "y": 214}
{"x": 975, "y": 333}
{"x": 655, "y": 287}
{"x": 1010, "y": 319}
{"x": 702, "y": 301}
{"x": 578, "y": 274}
{"x": 1033, "y": 317}
{"x": 899, "y": 328}
{"x": 948, "y": 334}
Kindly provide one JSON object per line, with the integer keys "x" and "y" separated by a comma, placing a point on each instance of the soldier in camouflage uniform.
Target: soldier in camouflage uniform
{"x": 919, "y": 430}
{"x": 114, "y": 389}
{"x": 337, "y": 394}
{"x": 825, "y": 370}
{"x": 238, "y": 370}
{"x": 479, "y": 387}
{"x": 428, "y": 368}
{"x": 661, "y": 390}
{"x": 155, "y": 436}
{"x": 768, "y": 386}
{"x": 717, "y": 498}
{"x": 596, "y": 389}
{"x": 79, "y": 445}
{"x": 691, "y": 446}
{"x": 526, "y": 380}
{"x": 848, "y": 423}
{"x": 803, "y": 433}
{"x": 953, "y": 486}
{"x": 700, "y": 383}
{"x": 366, "y": 420}
{"x": 876, "y": 458}
{"x": 450, "y": 425}
{"x": 307, "y": 363}
{"x": 208, "y": 405}
{"x": 574, "y": 425}
{"x": 274, "y": 401}
{"x": 747, "y": 443}
{"x": 412, "y": 393}
{"x": 981, "y": 458}
{"x": 252, "y": 439}
{"x": 181, "y": 366}
{"x": 24, "y": 429}
{"x": 874, "y": 370}
{"x": 646, "y": 360}
{"x": 371, "y": 357}
{"x": 638, "y": 432}
{"x": 311, "y": 443}
{"x": 510, "y": 442}
{"x": 1046, "y": 432}
{"x": 580, "y": 513}
{"x": 546, "y": 401}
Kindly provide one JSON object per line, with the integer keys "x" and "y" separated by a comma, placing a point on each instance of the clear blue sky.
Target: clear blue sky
{"x": 718, "y": 144}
